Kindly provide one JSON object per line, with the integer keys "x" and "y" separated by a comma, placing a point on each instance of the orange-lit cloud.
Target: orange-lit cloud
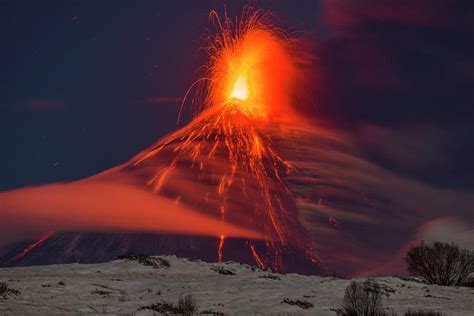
{"x": 92, "y": 205}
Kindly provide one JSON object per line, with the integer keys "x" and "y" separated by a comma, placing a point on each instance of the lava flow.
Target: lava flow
{"x": 247, "y": 85}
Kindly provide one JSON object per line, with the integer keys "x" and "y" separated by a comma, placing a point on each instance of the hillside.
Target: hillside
{"x": 127, "y": 286}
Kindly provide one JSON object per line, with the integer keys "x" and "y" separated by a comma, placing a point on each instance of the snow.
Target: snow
{"x": 125, "y": 286}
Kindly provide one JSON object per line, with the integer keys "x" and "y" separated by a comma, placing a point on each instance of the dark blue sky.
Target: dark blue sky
{"x": 82, "y": 82}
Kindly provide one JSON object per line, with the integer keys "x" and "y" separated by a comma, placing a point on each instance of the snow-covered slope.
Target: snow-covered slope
{"x": 125, "y": 286}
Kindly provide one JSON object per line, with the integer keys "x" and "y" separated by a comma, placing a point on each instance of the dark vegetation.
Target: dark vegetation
{"x": 362, "y": 299}
{"x": 146, "y": 260}
{"x": 101, "y": 292}
{"x": 300, "y": 304}
{"x": 186, "y": 306}
{"x": 270, "y": 276}
{"x": 208, "y": 312}
{"x": 5, "y": 290}
{"x": 222, "y": 270}
{"x": 440, "y": 263}
{"x": 422, "y": 313}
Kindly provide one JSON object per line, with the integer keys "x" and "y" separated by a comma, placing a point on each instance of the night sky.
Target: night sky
{"x": 85, "y": 85}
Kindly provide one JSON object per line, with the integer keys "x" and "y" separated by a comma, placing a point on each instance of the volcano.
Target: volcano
{"x": 306, "y": 188}
{"x": 248, "y": 179}
{"x": 222, "y": 165}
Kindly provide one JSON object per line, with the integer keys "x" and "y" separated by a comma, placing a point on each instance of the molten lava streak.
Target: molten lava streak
{"x": 249, "y": 81}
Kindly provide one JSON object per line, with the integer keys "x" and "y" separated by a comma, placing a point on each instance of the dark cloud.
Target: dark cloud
{"x": 407, "y": 67}
{"x": 355, "y": 13}
{"x": 44, "y": 105}
{"x": 163, "y": 100}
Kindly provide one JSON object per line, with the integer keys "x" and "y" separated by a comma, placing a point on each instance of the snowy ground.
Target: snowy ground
{"x": 125, "y": 286}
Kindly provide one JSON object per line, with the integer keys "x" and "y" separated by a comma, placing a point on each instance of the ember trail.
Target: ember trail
{"x": 226, "y": 148}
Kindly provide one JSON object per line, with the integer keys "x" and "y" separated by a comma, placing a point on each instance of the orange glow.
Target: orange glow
{"x": 219, "y": 248}
{"x": 259, "y": 262}
{"x": 240, "y": 90}
{"x": 251, "y": 67}
{"x": 33, "y": 246}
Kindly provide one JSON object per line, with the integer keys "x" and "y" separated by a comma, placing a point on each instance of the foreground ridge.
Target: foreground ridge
{"x": 132, "y": 285}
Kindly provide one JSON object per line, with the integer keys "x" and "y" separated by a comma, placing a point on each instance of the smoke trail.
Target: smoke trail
{"x": 96, "y": 205}
{"x": 358, "y": 214}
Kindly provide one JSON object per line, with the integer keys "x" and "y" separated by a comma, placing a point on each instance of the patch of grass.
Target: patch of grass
{"x": 422, "y": 313}
{"x": 270, "y": 276}
{"x": 222, "y": 270}
{"x": 5, "y": 290}
{"x": 208, "y": 312}
{"x": 162, "y": 307}
{"x": 300, "y": 304}
{"x": 186, "y": 306}
{"x": 146, "y": 260}
{"x": 101, "y": 292}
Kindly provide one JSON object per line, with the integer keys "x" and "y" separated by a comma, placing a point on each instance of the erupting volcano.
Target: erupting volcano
{"x": 249, "y": 80}
{"x": 223, "y": 163}
{"x": 248, "y": 179}
{"x": 226, "y": 150}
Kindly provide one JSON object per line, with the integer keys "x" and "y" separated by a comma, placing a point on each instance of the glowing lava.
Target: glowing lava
{"x": 240, "y": 90}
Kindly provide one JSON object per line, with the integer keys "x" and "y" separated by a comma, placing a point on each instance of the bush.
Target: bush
{"x": 362, "y": 299}
{"x": 187, "y": 304}
{"x": 440, "y": 263}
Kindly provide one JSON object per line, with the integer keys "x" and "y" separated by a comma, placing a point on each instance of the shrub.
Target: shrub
{"x": 440, "y": 263}
{"x": 186, "y": 306}
{"x": 362, "y": 299}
